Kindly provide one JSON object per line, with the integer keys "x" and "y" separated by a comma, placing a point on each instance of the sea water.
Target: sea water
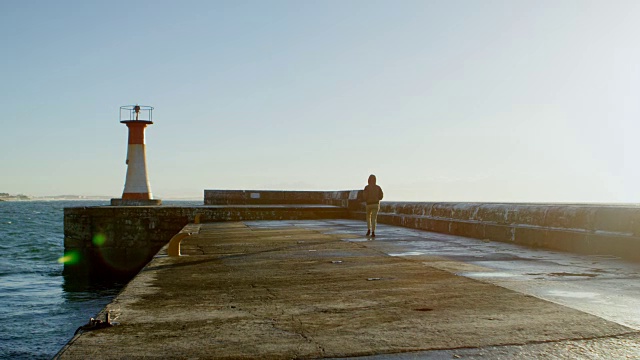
{"x": 39, "y": 312}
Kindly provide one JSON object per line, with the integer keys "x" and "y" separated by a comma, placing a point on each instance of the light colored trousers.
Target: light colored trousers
{"x": 372, "y": 216}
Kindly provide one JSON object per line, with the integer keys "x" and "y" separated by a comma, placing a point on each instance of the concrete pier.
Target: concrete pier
{"x": 121, "y": 239}
{"x": 289, "y": 274}
{"x": 320, "y": 289}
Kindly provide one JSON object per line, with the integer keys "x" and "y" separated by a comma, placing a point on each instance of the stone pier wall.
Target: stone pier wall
{"x": 271, "y": 197}
{"x": 581, "y": 228}
{"x": 119, "y": 239}
{"x": 122, "y": 239}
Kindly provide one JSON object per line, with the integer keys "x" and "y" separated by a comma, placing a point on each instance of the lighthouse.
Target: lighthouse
{"x": 137, "y": 191}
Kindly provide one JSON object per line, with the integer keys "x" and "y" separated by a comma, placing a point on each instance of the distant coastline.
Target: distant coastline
{"x": 9, "y": 197}
{"x": 21, "y": 197}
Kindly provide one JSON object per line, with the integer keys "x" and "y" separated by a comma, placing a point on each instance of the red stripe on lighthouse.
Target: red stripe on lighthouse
{"x": 136, "y": 132}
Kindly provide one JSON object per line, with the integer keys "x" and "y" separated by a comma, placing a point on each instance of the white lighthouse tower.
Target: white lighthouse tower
{"x": 137, "y": 191}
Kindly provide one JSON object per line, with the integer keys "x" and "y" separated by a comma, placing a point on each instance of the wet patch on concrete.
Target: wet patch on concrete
{"x": 572, "y": 274}
{"x": 573, "y": 294}
{"x": 488, "y": 274}
{"x": 536, "y": 271}
{"x": 423, "y": 309}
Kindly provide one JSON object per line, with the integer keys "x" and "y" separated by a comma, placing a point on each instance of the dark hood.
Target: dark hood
{"x": 372, "y": 179}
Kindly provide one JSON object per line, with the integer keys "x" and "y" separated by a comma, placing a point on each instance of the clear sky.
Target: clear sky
{"x": 452, "y": 100}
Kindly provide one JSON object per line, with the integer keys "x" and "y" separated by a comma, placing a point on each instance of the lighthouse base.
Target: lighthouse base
{"x": 136, "y": 202}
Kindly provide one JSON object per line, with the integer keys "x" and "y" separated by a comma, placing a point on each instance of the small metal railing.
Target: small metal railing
{"x": 136, "y": 113}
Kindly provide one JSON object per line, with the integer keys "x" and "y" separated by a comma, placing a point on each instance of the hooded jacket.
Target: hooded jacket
{"x": 372, "y": 192}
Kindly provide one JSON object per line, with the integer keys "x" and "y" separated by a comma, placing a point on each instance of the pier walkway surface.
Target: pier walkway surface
{"x": 320, "y": 289}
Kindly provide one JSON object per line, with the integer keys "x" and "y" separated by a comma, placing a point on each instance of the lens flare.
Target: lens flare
{"x": 99, "y": 239}
{"x": 70, "y": 258}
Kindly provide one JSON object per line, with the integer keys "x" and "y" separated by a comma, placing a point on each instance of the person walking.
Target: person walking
{"x": 372, "y": 196}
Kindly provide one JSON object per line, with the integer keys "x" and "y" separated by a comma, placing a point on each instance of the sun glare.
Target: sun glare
{"x": 70, "y": 258}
